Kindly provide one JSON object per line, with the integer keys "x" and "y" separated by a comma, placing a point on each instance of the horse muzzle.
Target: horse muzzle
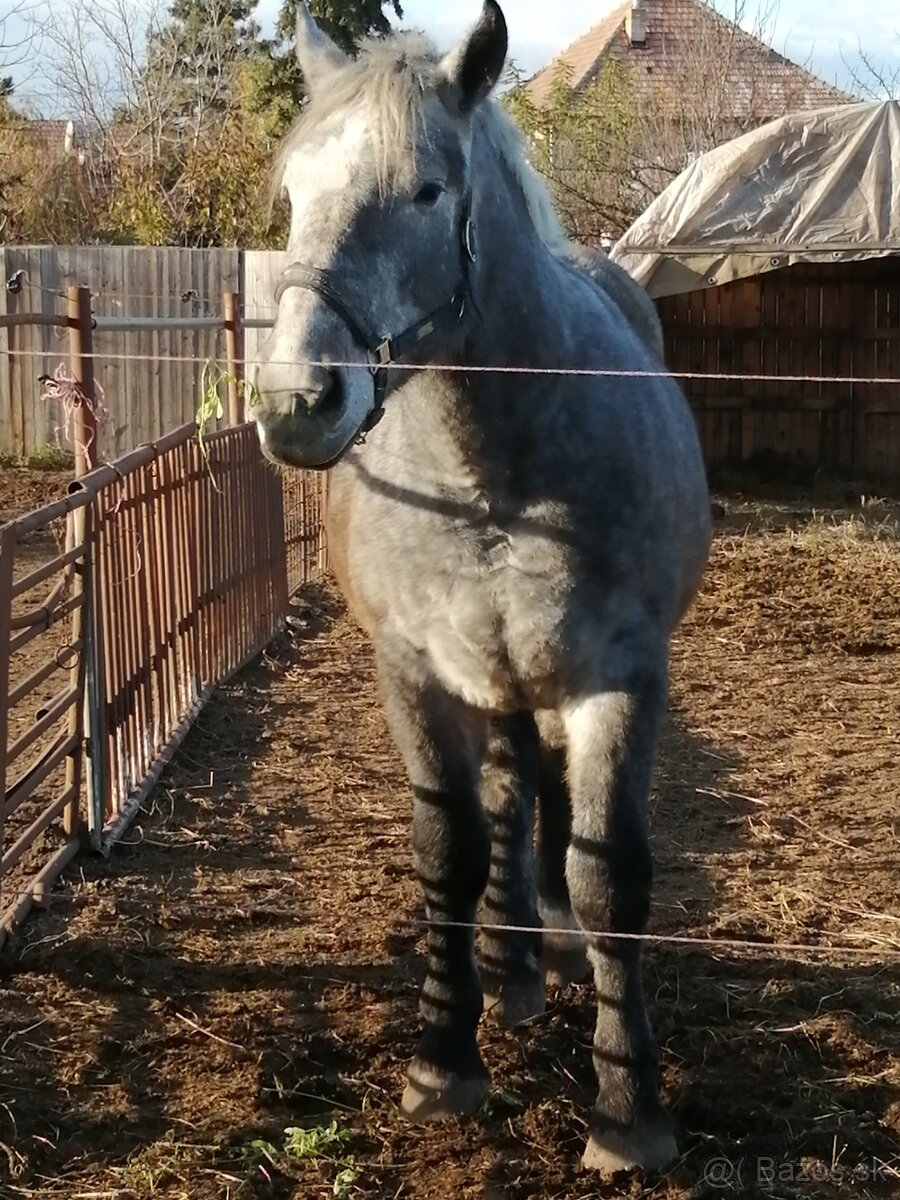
{"x": 307, "y": 418}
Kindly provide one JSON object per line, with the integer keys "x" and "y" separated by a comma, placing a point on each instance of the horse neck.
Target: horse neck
{"x": 516, "y": 273}
{"x": 481, "y": 424}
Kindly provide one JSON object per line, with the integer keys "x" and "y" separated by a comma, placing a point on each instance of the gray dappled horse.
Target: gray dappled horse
{"x": 518, "y": 546}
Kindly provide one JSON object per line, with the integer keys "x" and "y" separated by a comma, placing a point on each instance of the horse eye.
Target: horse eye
{"x": 429, "y": 194}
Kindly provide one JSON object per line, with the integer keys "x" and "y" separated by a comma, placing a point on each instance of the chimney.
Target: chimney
{"x": 636, "y": 23}
{"x": 69, "y": 139}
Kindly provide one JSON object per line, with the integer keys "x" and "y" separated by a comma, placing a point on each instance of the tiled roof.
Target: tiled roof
{"x": 51, "y": 135}
{"x": 761, "y": 83}
{"x": 581, "y": 59}
{"x": 51, "y": 132}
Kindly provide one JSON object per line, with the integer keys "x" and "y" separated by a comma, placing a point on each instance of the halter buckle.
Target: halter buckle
{"x": 384, "y": 353}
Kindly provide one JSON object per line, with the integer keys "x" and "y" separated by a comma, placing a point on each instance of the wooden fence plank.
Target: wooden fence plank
{"x": 260, "y": 272}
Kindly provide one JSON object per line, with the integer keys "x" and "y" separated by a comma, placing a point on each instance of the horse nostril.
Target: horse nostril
{"x": 313, "y": 400}
{"x": 331, "y": 392}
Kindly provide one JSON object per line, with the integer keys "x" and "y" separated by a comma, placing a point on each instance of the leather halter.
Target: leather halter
{"x": 391, "y": 348}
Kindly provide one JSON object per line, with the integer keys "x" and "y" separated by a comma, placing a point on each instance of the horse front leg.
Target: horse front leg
{"x": 451, "y": 848}
{"x": 612, "y": 739}
{"x": 511, "y": 962}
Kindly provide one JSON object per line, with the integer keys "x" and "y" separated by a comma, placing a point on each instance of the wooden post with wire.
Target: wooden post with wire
{"x": 82, "y": 721}
{"x": 234, "y": 354}
{"x": 81, "y": 349}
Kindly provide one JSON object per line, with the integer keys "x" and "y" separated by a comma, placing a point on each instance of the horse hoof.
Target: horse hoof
{"x": 517, "y": 1004}
{"x": 433, "y": 1095}
{"x": 646, "y": 1146}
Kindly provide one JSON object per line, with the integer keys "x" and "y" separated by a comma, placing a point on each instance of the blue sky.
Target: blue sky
{"x": 811, "y": 32}
{"x": 819, "y": 34}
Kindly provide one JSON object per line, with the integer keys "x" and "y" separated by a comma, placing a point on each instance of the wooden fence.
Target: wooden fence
{"x": 150, "y": 377}
{"x": 121, "y": 606}
{"x": 836, "y": 321}
{"x": 831, "y": 321}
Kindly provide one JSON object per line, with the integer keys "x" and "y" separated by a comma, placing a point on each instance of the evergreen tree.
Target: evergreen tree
{"x": 346, "y": 22}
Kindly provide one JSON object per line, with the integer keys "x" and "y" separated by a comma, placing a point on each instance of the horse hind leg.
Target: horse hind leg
{"x": 564, "y": 955}
{"x": 611, "y": 743}
{"x": 510, "y": 961}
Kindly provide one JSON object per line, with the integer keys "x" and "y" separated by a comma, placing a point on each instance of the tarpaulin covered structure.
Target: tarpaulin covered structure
{"x": 775, "y": 264}
{"x": 811, "y": 187}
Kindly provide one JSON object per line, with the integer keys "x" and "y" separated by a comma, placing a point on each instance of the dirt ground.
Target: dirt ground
{"x": 22, "y": 490}
{"x": 225, "y": 1007}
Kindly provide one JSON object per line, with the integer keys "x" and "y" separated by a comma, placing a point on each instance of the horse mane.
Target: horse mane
{"x": 509, "y": 142}
{"x": 390, "y": 79}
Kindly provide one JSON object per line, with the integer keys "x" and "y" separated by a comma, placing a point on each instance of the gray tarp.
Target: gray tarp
{"x": 820, "y": 186}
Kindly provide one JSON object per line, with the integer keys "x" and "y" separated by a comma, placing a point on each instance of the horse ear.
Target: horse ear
{"x": 316, "y": 52}
{"x": 473, "y": 68}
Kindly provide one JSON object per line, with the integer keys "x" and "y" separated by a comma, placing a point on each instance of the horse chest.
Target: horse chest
{"x": 486, "y": 613}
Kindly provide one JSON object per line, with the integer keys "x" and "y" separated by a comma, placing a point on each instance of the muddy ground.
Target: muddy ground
{"x": 225, "y": 1007}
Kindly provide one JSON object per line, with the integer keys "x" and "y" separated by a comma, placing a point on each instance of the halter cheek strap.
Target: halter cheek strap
{"x": 391, "y": 348}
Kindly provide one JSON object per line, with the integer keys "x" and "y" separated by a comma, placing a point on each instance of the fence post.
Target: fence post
{"x": 234, "y": 354}
{"x": 324, "y": 560}
{"x": 81, "y": 349}
{"x": 85, "y": 720}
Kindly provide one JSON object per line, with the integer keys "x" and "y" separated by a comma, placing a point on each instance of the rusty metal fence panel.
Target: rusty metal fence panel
{"x": 305, "y": 499}
{"x": 171, "y": 569}
{"x": 190, "y": 583}
{"x": 44, "y": 635}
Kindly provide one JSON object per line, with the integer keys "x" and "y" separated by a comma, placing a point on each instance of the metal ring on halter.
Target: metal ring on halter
{"x": 469, "y": 239}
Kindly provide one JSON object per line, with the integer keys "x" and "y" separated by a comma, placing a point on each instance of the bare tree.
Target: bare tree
{"x": 99, "y": 52}
{"x": 154, "y": 100}
{"x": 21, "y": 28}
{"x": 875, "y": 81}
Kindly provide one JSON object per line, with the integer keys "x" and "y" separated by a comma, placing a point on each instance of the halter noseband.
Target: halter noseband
{"x": 390, "y": 348}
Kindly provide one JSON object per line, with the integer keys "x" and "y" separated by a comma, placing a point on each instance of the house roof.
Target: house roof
{"x": 50, "y": 135}
{"x": 681, "y": 36}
